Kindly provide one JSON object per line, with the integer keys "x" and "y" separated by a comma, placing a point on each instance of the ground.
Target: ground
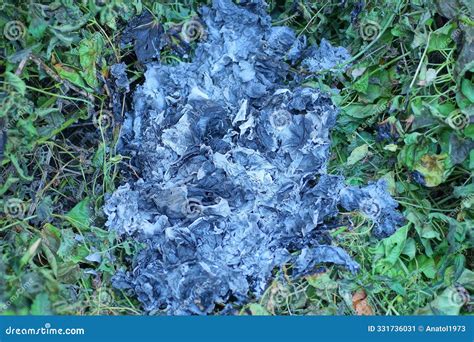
{"x": 407, "y": 101}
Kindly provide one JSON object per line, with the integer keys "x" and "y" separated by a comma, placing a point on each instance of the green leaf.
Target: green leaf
{"x": 358, "y": 154}
{"x": 447, "y": 303}
{"x": 390, "y": 180}
{"x": 419, "y": 39}
{"x": 467, "y": 88}
{"x": 30, "y": 253}
{"x": 362, "y": 83}
{"x": 7, "y": 184}
{"x": 395, "y": 244}
{"x": 428, "y": 232}
{"x": 99, "y": 156}
{"x": 465, "y": 190}
{"x": 51, "y": 259}
{"x": 469, "y": 131}
{"x": 427, "y": 266}
{"x": 108, "y": 17}
{"x": 411, "y": 154}
{"x": 52, "y": 234}
{"x": 71, "y": 75}
{"x": 89, "y": 52}
{"x": 467, "y": 279}
{"x": 16, "y": 82}
{"x": 37, "y": 28}
{"x": 28, "y": 129}
{"x": 80, "y": 215}
{"x": 67, "y": 243}
{"x": 397, "y": 287}
{"x": 411, "y": 138}
{"x": 361, "y": 111}
{"x": 81, "y": 252}
{"x": 410, "y": 248}
{"x": 41, "y": 305}
{"x": 322, "y": 282}
{"x": 391, "y": 147}
{"x": 433, "y": 168}
{"x": 439, "y": 42}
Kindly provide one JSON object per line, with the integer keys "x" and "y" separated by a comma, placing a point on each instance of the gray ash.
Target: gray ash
{"x": 232, "y": 151}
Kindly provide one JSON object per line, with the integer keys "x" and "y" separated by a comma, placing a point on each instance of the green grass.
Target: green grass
{"x": 410, "y": 75}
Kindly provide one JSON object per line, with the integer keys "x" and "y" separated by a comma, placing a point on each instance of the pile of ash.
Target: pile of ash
{"x": 232, "y": 151}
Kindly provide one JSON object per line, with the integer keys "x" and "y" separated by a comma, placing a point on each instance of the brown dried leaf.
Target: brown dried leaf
{"x": 360, "y": 304}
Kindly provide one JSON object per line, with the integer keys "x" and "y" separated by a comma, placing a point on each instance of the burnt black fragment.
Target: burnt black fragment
{"x": 358, "y": 8}
{"x": 387, "y": 132}
{"x": 147, "y": 36}
{"x": 418, "y": 178}
{"x": 232, "y": 152}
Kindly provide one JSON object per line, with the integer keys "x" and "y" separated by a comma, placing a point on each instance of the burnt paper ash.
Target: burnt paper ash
{"x": 232, "y": 152}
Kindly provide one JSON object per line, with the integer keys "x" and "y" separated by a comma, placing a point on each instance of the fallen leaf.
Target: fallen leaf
{"x": 80, "y": 215}
{"x": 433, "y": 168}
{"x": 360, "y": 304}
{"x": 30, "y": 253}
{"x": 358, "y": 154}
